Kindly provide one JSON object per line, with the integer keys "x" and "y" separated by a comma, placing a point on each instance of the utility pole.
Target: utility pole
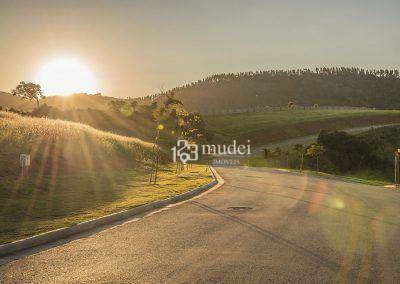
{"x": 396, "y": 168}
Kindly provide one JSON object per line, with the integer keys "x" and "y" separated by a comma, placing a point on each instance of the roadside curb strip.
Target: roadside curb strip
{"x": 330, "y": 177}
{"x": 63, "y": 233}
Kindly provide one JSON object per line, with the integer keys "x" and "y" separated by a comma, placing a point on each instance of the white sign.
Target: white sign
{"x": 25, "y": 160}
{"x": 185, "y": 151}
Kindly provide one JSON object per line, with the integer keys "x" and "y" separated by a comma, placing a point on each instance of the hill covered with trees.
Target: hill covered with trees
{"x": 323, "y": 86}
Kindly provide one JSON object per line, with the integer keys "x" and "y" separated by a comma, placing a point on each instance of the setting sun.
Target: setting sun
{"x": 65, "y": 76}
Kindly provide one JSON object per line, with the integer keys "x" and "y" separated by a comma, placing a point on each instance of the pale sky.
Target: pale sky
{"x": 135, "y": 47}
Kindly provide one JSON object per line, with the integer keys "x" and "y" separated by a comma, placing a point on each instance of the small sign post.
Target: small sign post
{"x": 25, "y": 162}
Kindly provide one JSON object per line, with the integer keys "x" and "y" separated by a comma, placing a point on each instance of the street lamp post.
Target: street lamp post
{"x": 156, "y": 156}
{"x": 396, "y": 168}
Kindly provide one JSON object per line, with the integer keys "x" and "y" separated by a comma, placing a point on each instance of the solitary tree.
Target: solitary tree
{"x": 315, "y": 150}
{"x": 299, "y": 148}
{"x": 29, "y": 91}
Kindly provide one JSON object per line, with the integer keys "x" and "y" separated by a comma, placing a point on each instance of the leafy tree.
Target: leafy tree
{"x": 348, "y": 152}
{"x": 315, "y": 150}
{"x": 29, "y": 91}
{"x": 172, "y": 101}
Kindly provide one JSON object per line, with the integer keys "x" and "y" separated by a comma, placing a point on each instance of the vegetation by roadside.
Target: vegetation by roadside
{"x": 364, "y": 177}
{"x": 77, "y": 173}
{"x": 367, "y": 157}
{"x": 29, "y": 209}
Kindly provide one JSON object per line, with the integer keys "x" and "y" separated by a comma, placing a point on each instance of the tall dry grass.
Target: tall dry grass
{"x": 65, "y": 145}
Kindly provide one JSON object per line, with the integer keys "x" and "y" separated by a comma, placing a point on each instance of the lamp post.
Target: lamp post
{"x": 396, "y": 168}
{"x": 156, "y": 156}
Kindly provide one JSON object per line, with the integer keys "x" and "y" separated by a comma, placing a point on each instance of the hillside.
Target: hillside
{"x": 265, "y": 127}
{"x": 76, "y": 101}
{"x": 77, "y": 173}
{"x": 119, "y": 116}
{"x": 71, "y": 146}
{"x": 9, "y": 101}
{"x": 324, "y": 86}
{"x": 137, "y": 126}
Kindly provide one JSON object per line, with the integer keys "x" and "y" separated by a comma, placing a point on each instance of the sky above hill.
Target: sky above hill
{"x": 135, "y": 48}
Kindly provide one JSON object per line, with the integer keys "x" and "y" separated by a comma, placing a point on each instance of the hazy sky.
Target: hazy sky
{"x": 134, "y": 47}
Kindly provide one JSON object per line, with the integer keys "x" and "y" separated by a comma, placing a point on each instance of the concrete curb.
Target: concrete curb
{"x": 62, "y": 233}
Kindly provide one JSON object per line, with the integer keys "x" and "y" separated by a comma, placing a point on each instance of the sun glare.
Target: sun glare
{"x": 65, "y": 76}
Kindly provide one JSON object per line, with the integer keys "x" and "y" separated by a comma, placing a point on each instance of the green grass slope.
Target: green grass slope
{"x": 77, "y": 173}
{"x": 74, "y": 169}
{"x": 70, "y": 145}
{"x": 265, "y": 127}
{"x": 136, "y": 126}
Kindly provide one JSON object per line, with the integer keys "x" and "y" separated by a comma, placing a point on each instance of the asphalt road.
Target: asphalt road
{"x": 293, "y": 228}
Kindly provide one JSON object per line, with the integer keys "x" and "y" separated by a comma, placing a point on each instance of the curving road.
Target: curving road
{"x": 262, "y": 226}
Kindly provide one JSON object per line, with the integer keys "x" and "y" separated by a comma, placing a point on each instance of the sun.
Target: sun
{"x": 65, "y": 76}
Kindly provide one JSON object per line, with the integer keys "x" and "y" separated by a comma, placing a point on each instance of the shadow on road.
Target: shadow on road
{"x": 320, "y": 260}
{"x": 318, "y": 204}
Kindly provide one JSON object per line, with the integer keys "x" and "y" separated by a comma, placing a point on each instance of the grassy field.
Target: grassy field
{"x": 77, "y": 173}
{"x": 138, "y": 126}
{"x": 265, "y": 127}
{"x": 29, "y": 209}
{"x": 364, "y": 177}
{"x": 65, "y": 146}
